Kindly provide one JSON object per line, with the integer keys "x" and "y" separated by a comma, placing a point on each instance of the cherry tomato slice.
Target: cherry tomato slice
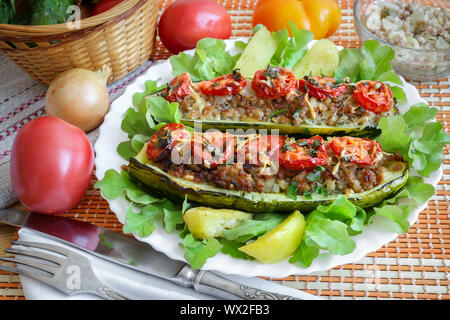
{"x": 178, "y": 88}
{"x": 273, "y": 83}
{"x": 303, "y": 154}
{"x": 321, "y": 87}
{"x": 374, "y": 96}
{"x": 163, "y": 141}
{"x": 224, "y": 86}
{"x": 212, "y": 148}
{"x": 260, "y": 150}
{"x": 357, "y": 150}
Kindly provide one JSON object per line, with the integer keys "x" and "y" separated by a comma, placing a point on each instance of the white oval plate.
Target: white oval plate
{"x": 373, "y": 237}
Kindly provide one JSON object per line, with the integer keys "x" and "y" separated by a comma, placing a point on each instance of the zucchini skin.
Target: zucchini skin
{"x": 285, "y": 129}
{"x": 255, "y": 202}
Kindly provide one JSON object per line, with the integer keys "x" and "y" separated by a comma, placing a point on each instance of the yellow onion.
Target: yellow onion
{"x": 79, "y": 97}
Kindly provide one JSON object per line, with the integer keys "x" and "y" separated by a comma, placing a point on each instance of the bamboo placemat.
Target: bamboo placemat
{"x": 413, "y": 266}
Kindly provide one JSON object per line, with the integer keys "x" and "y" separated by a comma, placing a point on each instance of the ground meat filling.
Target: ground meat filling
{"x": 294, "y": 109}
{"x": 336, "y": 177}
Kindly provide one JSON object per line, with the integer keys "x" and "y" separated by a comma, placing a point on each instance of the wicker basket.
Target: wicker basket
{"x": 121, "y": 39}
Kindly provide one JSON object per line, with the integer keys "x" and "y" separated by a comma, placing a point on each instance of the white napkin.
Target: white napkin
{"x": 134, "y": 284}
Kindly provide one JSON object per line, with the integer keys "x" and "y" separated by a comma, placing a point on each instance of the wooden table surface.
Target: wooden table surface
{"x": 6, "y": 235}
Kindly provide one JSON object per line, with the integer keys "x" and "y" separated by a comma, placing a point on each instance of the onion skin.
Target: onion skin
{"x": 79, "y": 97}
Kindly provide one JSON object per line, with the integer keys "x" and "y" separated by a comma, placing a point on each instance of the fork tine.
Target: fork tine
{"x": 33, "y": 264}
{"x": 33, "y": 275}
{"x": 45, "y": 246}
{"x": 36, "y": 254}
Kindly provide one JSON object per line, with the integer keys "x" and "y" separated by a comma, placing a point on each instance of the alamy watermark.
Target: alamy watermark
{"x": 74, "y": 19}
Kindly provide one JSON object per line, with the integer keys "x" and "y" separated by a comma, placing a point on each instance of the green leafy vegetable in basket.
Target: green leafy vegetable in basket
{"x": 7, "y": 10}
{"x": 45, "y": 12}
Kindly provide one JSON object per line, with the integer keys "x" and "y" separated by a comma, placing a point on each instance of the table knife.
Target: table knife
{"x": 131, "y": 253}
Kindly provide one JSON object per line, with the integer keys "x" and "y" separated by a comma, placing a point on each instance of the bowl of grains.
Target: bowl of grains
{"x": 418, "y": 32}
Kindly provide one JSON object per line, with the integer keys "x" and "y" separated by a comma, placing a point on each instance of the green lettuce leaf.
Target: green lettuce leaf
{"x": 209, "y": 61}
{"x": 114, "y": 185}
{"x": 416, "y": 138}
{"x": 305, "y": 253}
{"x": 399, "y": 94}
{"x": 418, "y": 114}
{"x": 344, "y": 211}
{"x": 138, "y": 141}
{"x": 329, "y": 234}
{"x": 126, "y": 150}
{"x": 249, "y": 229}
{"x": 370, "y": 62}
{"x": 150, "y": 88}
{"x": 172, "y": 214}
{"x": 142, "y": 223}
{"x": 145, "y": 118}
{"x": 397, "y": 214}
{"x": 419, "y": 190}
{"x": 349, "y": 61}
{"x": 197, "y": 252}
{"x": 231, "y": 248}
{"x": 376, "y": 63}
{"x": 290, "y": 50}
{"x": 163, "y": 111}
{"x": 394, "y": 135}
{"x": 134, "y": 122}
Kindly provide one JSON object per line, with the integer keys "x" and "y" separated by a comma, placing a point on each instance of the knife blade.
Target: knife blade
{"x": 131, "y": 253}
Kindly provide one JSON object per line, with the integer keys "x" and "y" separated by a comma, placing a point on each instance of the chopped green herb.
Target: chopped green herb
{"x": 237, "y": 75}
{"x": 302, "y": 143}
{"x": 307, "y": 194}
{"x": 316, "y": 174}
{"x": 322, "y": 191}
{"x": 275, "y": 113}
{"x": 271, "y": 73}
{"x": 287, "y": 147}
{"x": 292, "y": 190}
{"x": 305, "y": 87}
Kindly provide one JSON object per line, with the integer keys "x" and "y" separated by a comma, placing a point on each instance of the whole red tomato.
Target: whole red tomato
{"x": 105, "y": 5}
{"x": 184, "y": 22}
{"x": 51, "y": 165}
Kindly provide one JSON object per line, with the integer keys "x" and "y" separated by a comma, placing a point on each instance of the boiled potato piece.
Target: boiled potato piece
{"x": 280, "y": 242}
{"x": 256, "y": 56}
{"x": 204, "y": 222}
{"x": 321, "y": 59}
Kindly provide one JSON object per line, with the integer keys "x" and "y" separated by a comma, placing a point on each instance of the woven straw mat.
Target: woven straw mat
{"x": 413, "y": 266}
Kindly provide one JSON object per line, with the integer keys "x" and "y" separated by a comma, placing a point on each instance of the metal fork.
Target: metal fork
{"x": 66, "y": 271}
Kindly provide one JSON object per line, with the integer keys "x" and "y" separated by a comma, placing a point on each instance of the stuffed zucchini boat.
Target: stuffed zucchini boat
{"x": 258, "y": 173}
{"x": 275, "y": 99}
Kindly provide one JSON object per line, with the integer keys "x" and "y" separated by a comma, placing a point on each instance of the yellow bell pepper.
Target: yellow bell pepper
{"x": 321, "y": 17}
{"x": 280, "y": 242}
